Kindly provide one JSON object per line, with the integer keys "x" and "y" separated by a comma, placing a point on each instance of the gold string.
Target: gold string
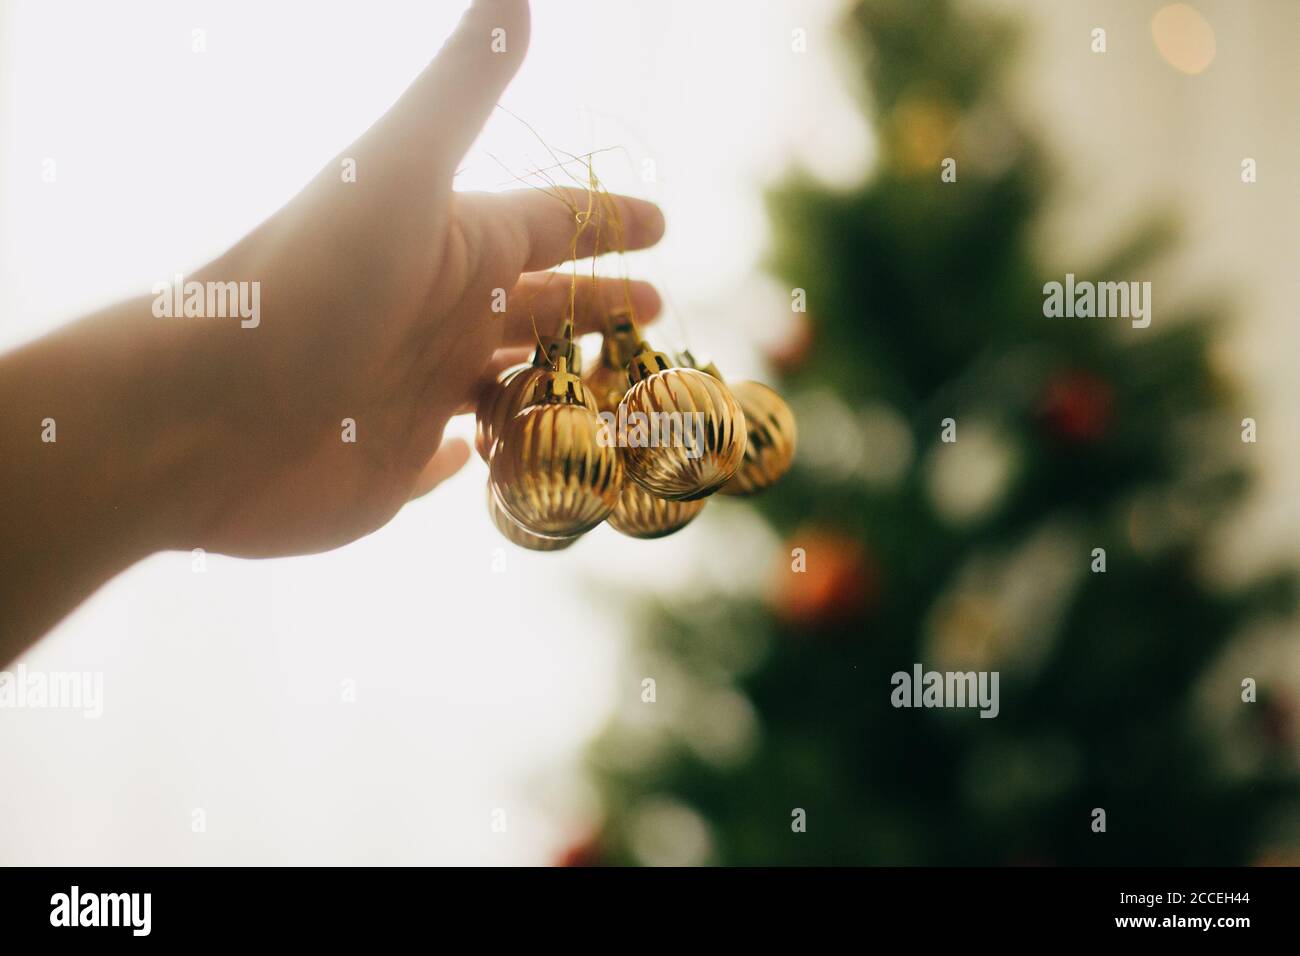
{"x": 600, "y": 207}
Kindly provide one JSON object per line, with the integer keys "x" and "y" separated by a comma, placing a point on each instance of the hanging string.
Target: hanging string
{"x": 599, "y": 212}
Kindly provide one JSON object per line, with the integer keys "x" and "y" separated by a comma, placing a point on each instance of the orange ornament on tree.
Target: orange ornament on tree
{"x": 826, "y": 578}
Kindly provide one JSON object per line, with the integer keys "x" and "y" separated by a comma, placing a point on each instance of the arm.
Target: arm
{"x": 94, "y": 471}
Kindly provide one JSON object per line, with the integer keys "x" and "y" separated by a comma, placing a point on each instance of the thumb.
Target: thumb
{"x": 441, "y": 113}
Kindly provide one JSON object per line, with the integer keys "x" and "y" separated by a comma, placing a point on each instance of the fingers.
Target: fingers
{"x": 544, "y": 297}
{"x": 547, "y": 228}
{"x": 441, "y": 113}
{"x": 504, "y": 359}
{"x": 446, "y": 461}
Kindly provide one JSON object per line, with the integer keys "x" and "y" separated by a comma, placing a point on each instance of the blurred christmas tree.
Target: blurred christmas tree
{"x": 925, "y": 304}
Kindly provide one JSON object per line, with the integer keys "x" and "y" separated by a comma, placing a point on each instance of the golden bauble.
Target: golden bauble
{"x": 608, "y": 379}
{"x": 770, "y": 441}
{"x": 640, "y": 514}
{"x": 608, "y": 385}
{"x": 552, "y": 469}
{"x": 515, "y": 386}
{"x": 516, "y": 533}
{"x": 707, "y": 441}
{"x": 500, "y": 403}
{"x": 513, "y": 391}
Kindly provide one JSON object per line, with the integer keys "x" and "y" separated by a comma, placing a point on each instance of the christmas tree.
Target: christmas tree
{"x": 985, "y": 483}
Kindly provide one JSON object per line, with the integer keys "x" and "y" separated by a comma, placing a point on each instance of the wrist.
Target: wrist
{"x": 171, "y": 454}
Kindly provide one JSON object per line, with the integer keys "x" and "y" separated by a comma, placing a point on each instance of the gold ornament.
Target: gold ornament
{"x": 706, "y": 441}
{"x": 640, "y": 514}
{"x": 552, "y": 468}
{"x": 516, "y": 533}
{"x": 608, "y": 379}
{"x": 508, "y": 388}
{"x": 770, "y": 441}
{"x": 514, "y": 386}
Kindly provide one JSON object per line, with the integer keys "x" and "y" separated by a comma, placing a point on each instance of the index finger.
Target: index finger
{"x": 548, "y": 227}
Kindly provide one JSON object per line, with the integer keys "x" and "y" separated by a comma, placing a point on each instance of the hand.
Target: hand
{"x": 377, "y": 297}
{"x": 375, "y": 305}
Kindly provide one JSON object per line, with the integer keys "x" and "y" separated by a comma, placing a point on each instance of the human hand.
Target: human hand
{"x": 376, "y": 300}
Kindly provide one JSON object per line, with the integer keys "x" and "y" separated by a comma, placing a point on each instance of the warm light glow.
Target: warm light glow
{"x": 1184, "y": 37}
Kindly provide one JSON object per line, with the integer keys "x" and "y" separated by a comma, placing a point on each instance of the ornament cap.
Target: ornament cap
{"x": 620, "y": 321}
{"x": 559, "y": 386}
{"x": 687, "y": 360}
{"x": 622, "y": 339}
{"x": 551, "y": 348}
{"x": 646, "y": 363}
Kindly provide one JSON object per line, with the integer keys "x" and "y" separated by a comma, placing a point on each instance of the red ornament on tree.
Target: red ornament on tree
{"x": 587, "y": 852}
{"x": 791, "y": 353}
{"x": 1278, "y": 719}
{"x": 1077, "y": 406}
{"x": 826, "y": 578}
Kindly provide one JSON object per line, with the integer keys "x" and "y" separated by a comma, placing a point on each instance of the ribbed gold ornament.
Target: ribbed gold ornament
{"x": 500, "y": 403}
{"x": 515, "y": 386}
{"x": 551, "y": 469}
{"x": 668, "y": 467}
{"x": 770, "y": 441}
{"x": 608, "y": 378}
{"x": 640, "y": 514}
{"x": 608, "y": 385}
{"x": 516, "y": 533}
